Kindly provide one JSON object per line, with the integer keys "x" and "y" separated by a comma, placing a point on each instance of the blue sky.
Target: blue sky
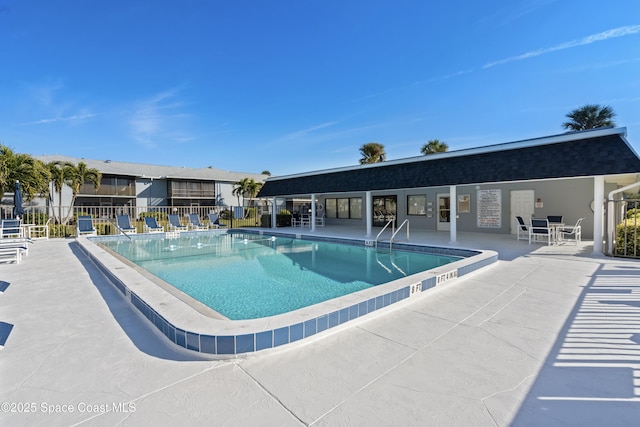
{"x": 296, "y": 85}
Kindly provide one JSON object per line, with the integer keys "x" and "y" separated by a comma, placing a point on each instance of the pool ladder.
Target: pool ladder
{"x": 394, "y": 232}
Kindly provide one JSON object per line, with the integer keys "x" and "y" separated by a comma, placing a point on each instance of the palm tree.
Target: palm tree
{"x": 372, "y": 152}
{"x": 61, "y": 173}
{"x": 253, "y": 188}
{"x": 240, "y": 188}
{"x": 434, "y": 146}
{"x": 590, "y": 116}
{"x": 32, "y": 174}
{"x": 78, "y": 176}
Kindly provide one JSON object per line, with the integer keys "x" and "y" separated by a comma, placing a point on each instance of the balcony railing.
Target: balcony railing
{"x": 108, "y": 190}
{"x": 192, "y": 194}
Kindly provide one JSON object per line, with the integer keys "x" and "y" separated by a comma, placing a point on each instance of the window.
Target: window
{"x": 355, "y": 208}
{"x": 344, "y": 208}
{"x": 331, "y": 209}
{"x": 464, "y": 203}
{"x": 416, "y": 205}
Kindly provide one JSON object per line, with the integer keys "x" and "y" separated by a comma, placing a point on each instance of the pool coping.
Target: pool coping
{"x": 188, "y": 328}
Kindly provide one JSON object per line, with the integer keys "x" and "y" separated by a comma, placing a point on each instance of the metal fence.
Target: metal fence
{"x": 104, "y": 217}
{"x": 625, "y": 241}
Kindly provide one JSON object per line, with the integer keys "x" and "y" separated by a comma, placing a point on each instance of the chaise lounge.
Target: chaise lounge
{"x": 124, "y": 224}
{"x": 152, "y": 226}
{"x": 175, "y": 224}
{"x": 84, "y": 226}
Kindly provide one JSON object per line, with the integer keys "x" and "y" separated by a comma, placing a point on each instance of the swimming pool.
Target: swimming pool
{"x": 247, "y": 276}
{"x": 191, "y": 325}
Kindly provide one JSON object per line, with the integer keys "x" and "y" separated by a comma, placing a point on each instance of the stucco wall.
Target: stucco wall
{"x": 570, "y": 198}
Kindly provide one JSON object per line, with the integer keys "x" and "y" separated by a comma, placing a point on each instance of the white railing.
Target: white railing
{"x": 390, "y": 222}
{"x": 406, "y": 222}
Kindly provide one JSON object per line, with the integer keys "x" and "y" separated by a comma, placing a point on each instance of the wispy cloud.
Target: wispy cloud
{"x": 514, "y": 11}
{"x": 605, "y": 35}
{"x": 305, "y": 132}
{"x": 156, "y": 117}
{"x": 72, "y": 118}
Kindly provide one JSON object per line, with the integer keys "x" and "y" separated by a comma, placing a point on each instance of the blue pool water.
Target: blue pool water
{"x": 247, "y": 276}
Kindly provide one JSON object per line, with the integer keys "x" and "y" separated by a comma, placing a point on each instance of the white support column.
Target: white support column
{"x": 598, "y": 214}
{"x": 313, "y": 212}
{"x": 367, "y": 211}
{"x": 453, "y": 211}
{"x": 273, "y": 212}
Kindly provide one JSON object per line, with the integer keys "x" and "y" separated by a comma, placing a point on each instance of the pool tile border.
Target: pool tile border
{"x": 233, "y": 345}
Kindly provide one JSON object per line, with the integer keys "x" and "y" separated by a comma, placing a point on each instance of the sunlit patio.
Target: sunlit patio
{"x": 547, "y": 336}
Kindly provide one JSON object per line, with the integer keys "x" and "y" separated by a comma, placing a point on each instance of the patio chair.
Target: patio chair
{"x": 84, "y": 226}
{"x": 522, "y": 232}
{"x": 194, "y": 222}
{"x": 39, "y": 231}
{"x": 305, "y": 221}
{"x": 124, "y": 224}
{"x": 151, "y": 225}
{"x": 175, "y": 224}
{"x": 10, "y": 228}
{"x": 320, "y": 220}
{"x": 557, "y": 219}
{"x": 539, "y": 229}
{"x": 572, "y": 234}
{"x": 214, "y": 221}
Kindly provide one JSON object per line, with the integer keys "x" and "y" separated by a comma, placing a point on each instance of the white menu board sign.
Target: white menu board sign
{"x": 489, "y": 208}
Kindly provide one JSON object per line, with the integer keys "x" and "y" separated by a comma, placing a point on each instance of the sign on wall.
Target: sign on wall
{"x": 489, "y": 208}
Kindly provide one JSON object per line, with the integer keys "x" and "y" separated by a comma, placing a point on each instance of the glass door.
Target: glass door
{"x": 384, "y": 210}
{"x": 444, "y": 212}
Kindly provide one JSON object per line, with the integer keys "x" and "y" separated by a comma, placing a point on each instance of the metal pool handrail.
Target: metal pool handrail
{"x": 391, "y": 222}
{"x": 118, "y": 228}
{"x": 406, "y": 222}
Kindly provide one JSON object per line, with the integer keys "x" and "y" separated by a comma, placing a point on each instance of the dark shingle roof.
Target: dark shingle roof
{"x": 590, "y": 153}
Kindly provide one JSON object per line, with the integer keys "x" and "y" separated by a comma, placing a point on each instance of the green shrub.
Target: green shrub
{"x": 62, "y": 230}
{"x": 283, "y": 220}
{"x": 159, "y": 216}
{"x": 633, "y": 213}
{"x": 103, "y": 229}
{"x": 628, "y": 238}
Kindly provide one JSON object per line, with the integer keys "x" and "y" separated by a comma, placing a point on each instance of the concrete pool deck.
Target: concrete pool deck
{"x": 549, "y": 335}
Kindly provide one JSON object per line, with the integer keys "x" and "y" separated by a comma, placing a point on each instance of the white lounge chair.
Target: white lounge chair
{"x": 14, "y": 249}
{"x": 151, "y": 225}
{"x": 175, "y": 224}
{"x": 214, "y": 221}
{"x": 84, "y": 226}
{"x": 10, "y": 228}
{"x": 124, "y": 224}
{"x": 194, "y": 222}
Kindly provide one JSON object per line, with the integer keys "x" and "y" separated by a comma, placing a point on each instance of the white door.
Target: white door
{"x": 522, "y": 204}
{"x": 444, "y": 212}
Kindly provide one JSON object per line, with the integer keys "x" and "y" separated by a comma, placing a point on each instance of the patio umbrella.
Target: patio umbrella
{"x": 17, "y": 201}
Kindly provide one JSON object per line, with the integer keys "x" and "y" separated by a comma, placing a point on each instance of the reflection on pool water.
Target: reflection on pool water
{"x": 247, "y": 276}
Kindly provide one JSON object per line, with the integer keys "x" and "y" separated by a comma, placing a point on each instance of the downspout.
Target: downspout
{"x": 610, "y": 209}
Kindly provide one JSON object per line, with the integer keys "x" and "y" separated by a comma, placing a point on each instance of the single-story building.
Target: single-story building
{"x": 476, "y": 190}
